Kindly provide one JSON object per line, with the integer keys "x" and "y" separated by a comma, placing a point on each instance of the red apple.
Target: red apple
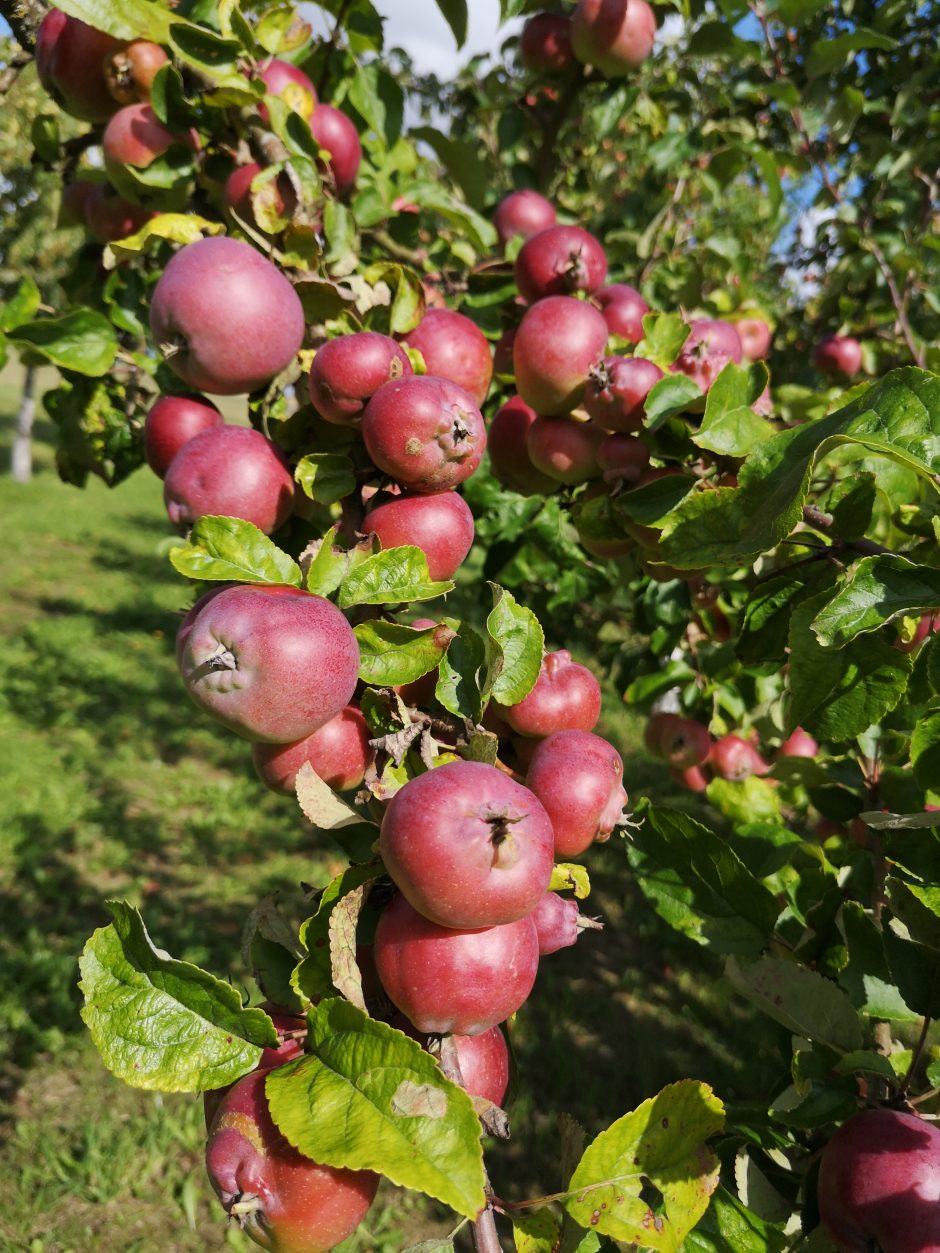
{"x": 454, "y": 348}
{"x": 926, "y": 626}
{"x": 110, "y": 217}
{"x": 441, "y": 526}
{"x": 799, "y": 743}
{"x": 557, "y": 343}
{"x": 839, "y": 356}
{"x": 225, "y": 318}
{"x": 616, "y": 392}
{"x": 566, "y": 697}
{"x": 755, "y": 337}
{"x": 292, "y": 85}
{"x": 271, "y": 663}
{"x": 349, "y": 370}
{"x": 735, "y": 759}
{"x": 74, "y": 199}
{"x": 558, "y": 261}
{"x": 545, "y": 44}
{"x": 338, "y": 137}
{"x": 238, "y": 197}
{"x": 685, "y": 743}
{"x": 693, "y": 779}
{"x": 135, "y": 136}
{"x": 556, "y": 920}
{"x": 232, "y": 471}
{"x": 623, "y": 459}
{"x": 502, "y": 353}
{"x": 484, "y": 1064}
{"x": 523, "y": 213}
{"x": 509, "y": 453}
{"x": 130, "y": 71}
{"x": 615, "y": 36}
{"x": 708, "y": 349}
{"x": 564, "y": 449}
{"x": 658, "y": 726}
{"x": 578, "y": 777}
{"x": 467, "y": 846}
{"x": 623, "y": 309}
{"x": 172, "y": 422}
{"x": 69, "y": 61}
{"x": 447, "y": 981}
{"x": 339, "y": 752}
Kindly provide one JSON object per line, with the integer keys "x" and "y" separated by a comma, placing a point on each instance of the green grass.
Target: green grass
{"x": 112, "y": 784}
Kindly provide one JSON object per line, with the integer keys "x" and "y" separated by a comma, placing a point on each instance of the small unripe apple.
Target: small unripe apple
{"x": 130, "y": 71}
{"x": 558, "y": 341}
{"x": 338, "y": 137}
{"x": 735, "y": 759}
{"x": 755, "y": 337}
{"x": 339, "y": 752}
{"x": 623, "y": 309}
{"x": 440, "y": 525}
{"x": 523, "y": 213}
{"x": 70, "y": 63}
{"x": 839, "y": 356}
{"x": 558, "y": 261}
{"x": 566, "y": 697}
{"x": 616, "y": 392}
{"x": 556, "y": 920}
{"x": 282, "y": 79}
{"x": 172, "y": 422}
{"x": 564, "y": 449}
{"x": 545, "y": 44}
{"x": 799, "y": 743}
{"x": 578, "y": 777}
{"x": 349, "y": 370}
{"x": 615, "y": 36}
{"x": 454, "y": 348}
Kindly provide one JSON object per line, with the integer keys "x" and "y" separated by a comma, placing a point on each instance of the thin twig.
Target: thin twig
{"x": 915, "y": 1058}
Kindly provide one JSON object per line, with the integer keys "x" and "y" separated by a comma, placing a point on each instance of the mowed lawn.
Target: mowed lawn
{"x": 113, "y": 785}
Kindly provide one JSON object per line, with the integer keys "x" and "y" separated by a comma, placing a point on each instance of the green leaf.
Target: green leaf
{"x": 748, "y": 800}
{"x": 867, "y": 978}
{"x": 313, "y": 977}
{"x": 479, "y": 231}
{"x": 163, "y": 1024}
{"x": 535, "y": 1231}
{"x": 730, "y": 427}
{"x": 393, "y": 576}
{"x": 915, "y": 968}
{"x": 653, "y": 501}
{"x": 799, "y": 999}
{"x": 925, "y": 751}
{"x": 369, "y": 1098}
{"x": 875, "y": 591}
{"x": 223, "y": 549}
{"x": 178, "y": 228}
{"x": 672, "y": 394}
{"x": 455, "y": 15}
{"x": 517, "y": 642}
{"x": 329, "y": 565}
{"x": 897, "y": 417}
{"x": 827, "y": 55}
{"x": 459, "y": 685}
{"x": 851, "y": 503}
{"x": 21, "y": 306}
{"x": 663, "y": 337}
{"x": 663, "y": 1141}
{"x": 569, "y": 876}
{"x": 124, "y": 19}
{"x": 83, "y": 341}
{"x": 462, "y": 161}
{"x": 326, "y": 477}
{"x": 408, "y": 298}
{"x": 270, "y": 951}
{"x": 392, "y": 654}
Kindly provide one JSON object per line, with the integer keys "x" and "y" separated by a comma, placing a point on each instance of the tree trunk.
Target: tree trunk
{"x": 21, "y": 459}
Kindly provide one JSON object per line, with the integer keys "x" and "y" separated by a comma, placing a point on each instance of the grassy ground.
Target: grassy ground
{"x": 111, "y": 784}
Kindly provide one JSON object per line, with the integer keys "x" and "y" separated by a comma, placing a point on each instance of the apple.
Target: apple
{"x": 109, "y": 216}
{"x": 339, "y": 752}
{"x": 557, "y": 921}
{"x": 225, "y": 318}
{"x": 129, "y": 72}
{"x": 735, "y": 759}
{"x": 349, "y": 370}
{"x": 238, "y": 197}
{"x": 282, "y": 1200}
{"x": 172, "y": 422}
{"x": 616, "y": 392}
{"x": 502, "y": 354}
{"x": 658, "y": 726}
{"x": 273, "y": 664}
{"x": 755, "y": 337}
{"x": 69, "y": 61}
{"x": 484, "y": 1064}
{"x": 454, "y": 348}
{"x": 424, "y": 432}
{"x": 420, "y": 692}
{"x": 509, "y": 453}
{"x": 467, "y": 846}
{"x": 566, "y": 697}
{"x": 292, "y": 85}
{"x": 693, "y": 778}
{"x": 440, "y": 525}
{"x": 578, "y": 777}
{"x": 839, "y": 356}
{"x": 711, "y": 344}
{"x": 615, "y": 36}
{"x": 558, "y": 341}
{"x": 524, "y": 213}
{"x": 74, "y": 199}
{"x": 799, "y": 743}
{"x": 545, "y": 44}
{"x": 233, "y": 471}
{"x": 339, "y": 139}
{"x": 879, "y": 1184}
{"x": 685, "y": 743}
{"x": 623, "y": 459}
{"x": 564, "y": 449}
{"x": 447, "y": 981}
{"x": 623, "y": 309}
{"x": 926, "y": 626}
{"x": 558, "y": 261}
{"x": 136, "y": 137}
{"x": 291, "y": 1030}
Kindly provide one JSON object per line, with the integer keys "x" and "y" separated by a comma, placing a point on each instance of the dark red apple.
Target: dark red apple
{"x": 70, "y": 62}
{"x": 233, "y": 471}
{"x": 564, "y": 449}
{"x": 440, "y": 525}
{"x": 282, "y": 1200}
{"x": 74, "y": 199}
{"x": 755, "y": 337}
{"x": 273, "y": 664}
{"x": 467, "y": 846}
{"x": 110, "y": 217}
{"x": 225, "y": 318}
{"x": 425, "y": 433}
{"x": 484, "y": 1064}
{"x": 292, "y": 85}
{"x": 339, "y": 752}
{"x": 578, "y": 777}
{"x": 338, "y": 137}
{"x": 615, "y": 36}
{"x": 447, "y": 981}
{"x": 349, "y": 370}
{"x": 708, "y": 349}
{"x": 685, "y": 743}
{"x": 735, "y": 759}
{"x": 238, "y": 197}
{"x": 130, "y": 71}
{"x": 558, "y": 261}
{"x": 545, "y": 44}
{"x": 799, "y": 743}
{"x": 693, "y": 779}
{"x": 557, "y": 343}
{"x": 623, "y": 459}
{"x": 523, "y": 213}
{"x": 839, "y": 356}
{"x": 566, "y": 697}
{"x": 616, "y": 392}
{"x": 509, "y": 453}
{"x": 624, "y": 309}
{"x": 454, "y": 348}
{"x": 172, "y": 422}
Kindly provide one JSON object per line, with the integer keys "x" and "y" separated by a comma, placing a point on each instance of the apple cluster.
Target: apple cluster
{"x": 613, "y": 36}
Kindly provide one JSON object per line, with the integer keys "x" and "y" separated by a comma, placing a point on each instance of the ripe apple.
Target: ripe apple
{"x": 282, "y": 1200}
{"x": 557, "y": 921}
{"x": 110, "y": 217}
{"x": 135, "y": 136}
{"x": 839, "y": 356}
{"x": 238, "y": 197}
{"x": 755, "y": 337}
{"x": 736, "y": 759}
{"x": 447, "y": 981}
{"x": 282, "y": 79}
{"x": 130, "y": 71}
{"x": 578, "y": 777}
{"x": 685, "y": 743}
{"x": 424, "y": 432}
{"x": 545, "y": 44}
{"x": 879, "y": 1184}
{"x": 484, "y": 1064}
{"x": 558, "y": 341}
{"x": 290, "y": 1029}
{"x": 225, "y": 318}
{"x": 233, "y": 471}
{"x": 509, "y": 453}
{"x": 271, "y": 663}
{"x": 658, "y": 727}
{"x": 693, "y": 778}
{"x": 623, "y": 309}
{"x": 615, "y": 36}
{"x": 616, "y": 392}
{"x": 623, "y": 459}
{"x": 69, "y": 62}
{"x": 566, "y": 697}
{"x": 172, "y": 422}
{"x": 523, "y": 213}
{"x": 558, "y": 261}
{"x": 926, "y": 626}
{"x": 454, "y": 348}
{"x": 467, "y": 846}
{"x": 338, "y": 137}
{"x": 339, "y": 752}
{"x": 441, "y": 526}
{"x": 74, "y": 198}
{"x": 708, "y": 349}
{"x": 799, "y": 743}
{"x": 349, "y": 370}
{"x": 564, "y": 449}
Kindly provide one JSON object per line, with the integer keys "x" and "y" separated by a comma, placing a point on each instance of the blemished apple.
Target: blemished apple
{"x": 732, "y": 757}
{"x": 578, "y": 777}
{"x": 564, "y": 449}
{"x": 454, "y": 982}
{"x": 338, "y": 137}
{"x": 615, "y": 36}
{"x": 616, "y": 392}
{"x": 454, "y": 348}
{"x": 545, "y": 44}
{"x": 273, "y": 664}
{"x": 524, "y": 213}
{"x": 839, "y": 356}
{"x": 509, "y": 453}
{"x": 339, "y": 752}
{"x": 879, "y": 1184}
{"x": 623, "y": 309}
{"x": 233, "y": 471}
{"x": 130, "y": 71}
{"x": 566, "y": 697}
{"x": 349, "y": 370}
{"x": 284, "y": 1201}
{"x": 172, "y": 422}
{"x": 467, "y": 846}
{"x": 558, "y": 341}
{"x": 292, "y": 85}
{"x": 440, "y": 525}
{"x": 558, "y": 261}
{"x": 70, "y": 59}
{"x": 425, "y": 433}
{"x": 225, "y": 318}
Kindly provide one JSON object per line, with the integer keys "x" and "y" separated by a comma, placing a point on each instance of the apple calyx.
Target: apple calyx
{"x": 170, "y": 348}
{"x": 501, "y": 821}
{"x": 245, "y": 1207}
